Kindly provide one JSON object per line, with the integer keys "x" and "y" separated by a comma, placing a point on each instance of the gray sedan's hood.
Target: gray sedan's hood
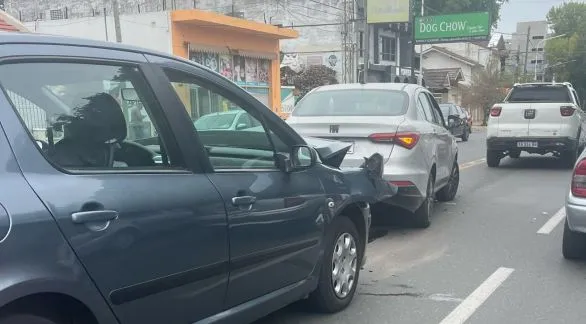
{"x": 331, "y": 153}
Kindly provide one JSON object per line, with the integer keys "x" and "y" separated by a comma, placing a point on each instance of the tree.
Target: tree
{"x": 565, "y": 55}
{"x": 442, "y": 7}
{"x": 488, "y": 87}
{"x": 313, "y": 77}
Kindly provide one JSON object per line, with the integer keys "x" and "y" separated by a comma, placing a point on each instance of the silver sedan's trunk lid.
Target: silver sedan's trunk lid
{"x": 352, "y": 129}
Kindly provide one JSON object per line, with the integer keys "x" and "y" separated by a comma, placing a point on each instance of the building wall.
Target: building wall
{"x": 149, "y": 30}
{"x": 314, "y": 42}
{"x": 436, "y": 60}
{"x": 538, "y": 29}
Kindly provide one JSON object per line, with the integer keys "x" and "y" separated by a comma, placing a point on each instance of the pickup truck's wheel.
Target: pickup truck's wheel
{"x": 493, "y": 158}
{"x": 448, "y": 193}
{"x": 466, "y": 135}
{"x": 573, "y": 244}
{"x": 515, "y": 154}
{"x": 421, "y": 217}
{"x": 341, "y": 268}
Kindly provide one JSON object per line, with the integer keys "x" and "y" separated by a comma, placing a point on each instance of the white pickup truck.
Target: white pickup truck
{"x": 537, "y": 118}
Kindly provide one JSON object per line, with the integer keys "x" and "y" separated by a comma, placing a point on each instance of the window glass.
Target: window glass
{"x": 427, "y": 108}
{"x": 436, "y": 109}
{"x": 234, "y": 139}
{"x": 420, "y": 111}
{"x": 87, "y": 115}
{"x": 353, "y": 102}
{"x": 540, "y": 93}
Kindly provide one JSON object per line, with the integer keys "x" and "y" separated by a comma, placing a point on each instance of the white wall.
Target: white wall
{"x": 434, "y": 60}
{"x": 149, "y": 30}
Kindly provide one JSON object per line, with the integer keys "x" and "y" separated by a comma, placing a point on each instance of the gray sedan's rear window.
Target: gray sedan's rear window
{"x": 353, "y": 102}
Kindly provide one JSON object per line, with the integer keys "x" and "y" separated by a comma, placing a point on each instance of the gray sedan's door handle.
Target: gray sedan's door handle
{"x": 243, "y": 200}
{"x": 94, "y": 216}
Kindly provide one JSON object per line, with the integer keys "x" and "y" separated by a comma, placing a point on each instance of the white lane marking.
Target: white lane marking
{"x": 461, "y": 313}
{"x": 553, "y": 222}
{"x": 470, "y": 164}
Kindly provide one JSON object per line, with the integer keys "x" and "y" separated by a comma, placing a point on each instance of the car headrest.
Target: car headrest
{"x": 99, "y": 120}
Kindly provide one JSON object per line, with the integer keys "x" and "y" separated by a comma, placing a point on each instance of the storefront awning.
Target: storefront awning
{"x": 231, "y": 24}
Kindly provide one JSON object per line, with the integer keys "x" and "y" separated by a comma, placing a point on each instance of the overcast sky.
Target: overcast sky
{"x": 524, "y": 10}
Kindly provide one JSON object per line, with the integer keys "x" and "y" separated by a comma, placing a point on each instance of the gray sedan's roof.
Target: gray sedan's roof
{"x": 407, "y": 87}
{"x": 35, "y": 38}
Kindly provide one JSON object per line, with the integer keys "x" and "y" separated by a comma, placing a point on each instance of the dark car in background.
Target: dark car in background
{"x": 169, "y": 224}
{"x": 456, "y": 119}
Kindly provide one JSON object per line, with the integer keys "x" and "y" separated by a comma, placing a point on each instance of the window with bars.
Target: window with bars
{"x": 389, "y": 48}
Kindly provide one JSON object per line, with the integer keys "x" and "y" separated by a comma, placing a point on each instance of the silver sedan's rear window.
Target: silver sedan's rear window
{"x": 353, "y": 102}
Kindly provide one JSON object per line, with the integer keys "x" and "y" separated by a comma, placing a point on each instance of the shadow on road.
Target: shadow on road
{"x": 533, "y": 162}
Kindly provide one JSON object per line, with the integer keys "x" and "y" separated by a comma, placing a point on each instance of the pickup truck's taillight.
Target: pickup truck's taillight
{"x": 405, "y": 139}
{"x": 495, "y": 111}
{"x": 567, "y": 111}
{"x": 579, "y": 179}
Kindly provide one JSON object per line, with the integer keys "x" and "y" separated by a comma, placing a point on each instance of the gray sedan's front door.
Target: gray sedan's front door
{"x": 152, "y": 236}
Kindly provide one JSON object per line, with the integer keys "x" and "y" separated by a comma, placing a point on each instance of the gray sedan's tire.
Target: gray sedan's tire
{"x": 573, "y": 244}
{"x": 422, "y": 216}
{"x": 448, "y": 193}
{"x": 340, "y": 269}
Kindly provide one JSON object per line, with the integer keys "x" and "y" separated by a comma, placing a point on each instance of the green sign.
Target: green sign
{"x": 474, "y": 26}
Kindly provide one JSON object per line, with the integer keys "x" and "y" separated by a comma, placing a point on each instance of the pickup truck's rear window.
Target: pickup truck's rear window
{"x": 557, "y": 94}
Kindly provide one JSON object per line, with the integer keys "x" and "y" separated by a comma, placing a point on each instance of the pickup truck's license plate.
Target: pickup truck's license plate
{"x": 527, "y": 144}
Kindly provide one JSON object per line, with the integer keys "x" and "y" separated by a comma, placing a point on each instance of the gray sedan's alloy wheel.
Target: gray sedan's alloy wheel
{"x": 340, "y": 270}
{"x": 344, "y": 263}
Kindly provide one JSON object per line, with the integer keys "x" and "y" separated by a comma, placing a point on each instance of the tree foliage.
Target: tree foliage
{"x": 488, "y": 87}
{"x": 313, "y": 77}
{"x": 440, "y": 7}
{"x": 565, "y": 55}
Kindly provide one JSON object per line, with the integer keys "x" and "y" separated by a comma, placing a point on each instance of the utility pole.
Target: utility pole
{"x": 420, "y": 79}
{"x": 526, "y": 51}
{"x": 116, "y": 14}
{"x": 517, "y": 67}
{"x": 366, "y": 43}
{"x": 106, "y": 23}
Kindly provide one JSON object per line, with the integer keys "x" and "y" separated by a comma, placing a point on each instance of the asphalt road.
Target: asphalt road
{"x": 481, "y": 261}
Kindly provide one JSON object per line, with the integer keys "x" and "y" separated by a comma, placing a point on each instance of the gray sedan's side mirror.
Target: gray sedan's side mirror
{"x": 301, "y": 157}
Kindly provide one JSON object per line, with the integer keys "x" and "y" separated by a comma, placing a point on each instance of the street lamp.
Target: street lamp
{"x": 537, "y": 53}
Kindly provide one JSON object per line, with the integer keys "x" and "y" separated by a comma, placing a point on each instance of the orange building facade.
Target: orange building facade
{"x": 244, "y": 51}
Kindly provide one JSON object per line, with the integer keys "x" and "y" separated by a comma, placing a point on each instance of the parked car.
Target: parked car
{"x": 187, "y": 226}
{"x": 226, "y": 120}
{"x": 457, "y": 120}
{"x": 537, "y": 118}
{"x": 469, "y": 119}
{"x": 402, "y": 122}
{"x": 574, "y": 239}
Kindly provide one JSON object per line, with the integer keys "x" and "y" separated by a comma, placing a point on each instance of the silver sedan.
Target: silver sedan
{"x": 574, "y": 241}
{"x": 403, "y": 122}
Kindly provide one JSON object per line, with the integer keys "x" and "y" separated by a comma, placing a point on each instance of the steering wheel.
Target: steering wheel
{"x": 134, "y": 154}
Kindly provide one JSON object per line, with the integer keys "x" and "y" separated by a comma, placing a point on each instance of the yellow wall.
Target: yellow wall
{"x": 214, "y": 35}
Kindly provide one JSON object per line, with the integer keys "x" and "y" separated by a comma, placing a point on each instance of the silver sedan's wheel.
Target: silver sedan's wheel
{"x": 344, "y": 263}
